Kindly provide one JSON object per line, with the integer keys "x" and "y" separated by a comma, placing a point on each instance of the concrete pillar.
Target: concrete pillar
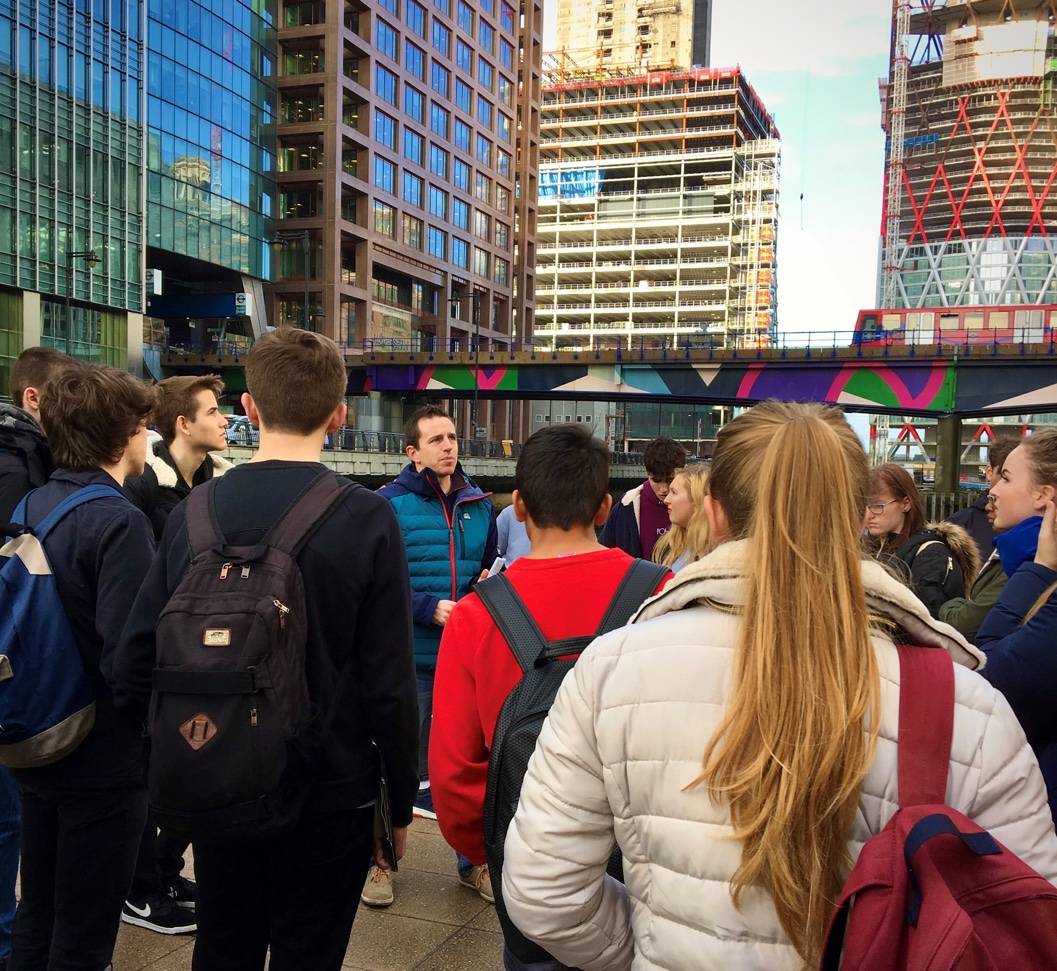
{"x": 31, "y": 322}
{"x": 948, "y": 453}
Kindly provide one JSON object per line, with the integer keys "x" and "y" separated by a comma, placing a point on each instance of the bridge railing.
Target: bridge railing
{"x": 580, "y": 341}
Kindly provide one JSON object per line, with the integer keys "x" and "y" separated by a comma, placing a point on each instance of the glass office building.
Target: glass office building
{"x": 71, "y": 165}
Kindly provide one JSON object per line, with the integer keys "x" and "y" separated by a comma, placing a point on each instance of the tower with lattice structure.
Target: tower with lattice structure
{"x": 969, "y": 112}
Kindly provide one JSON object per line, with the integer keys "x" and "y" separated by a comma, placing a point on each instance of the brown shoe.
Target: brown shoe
{"x": 478, "y": 879}
{"x": 378, "y": 890}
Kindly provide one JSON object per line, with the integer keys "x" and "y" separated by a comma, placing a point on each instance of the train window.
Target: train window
{"x": 998, "y": 320}
{"x": 869, "y": 323}
{"x": 974, "y": 320}
{"x": 890, "y": 322}
{"x": 948, "y": 321}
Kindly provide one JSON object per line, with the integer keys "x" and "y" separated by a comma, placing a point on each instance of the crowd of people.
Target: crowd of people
{"x": 706, "y": 775}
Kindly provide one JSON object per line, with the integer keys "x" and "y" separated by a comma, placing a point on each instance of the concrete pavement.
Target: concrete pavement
{"x": 435, "y": 924}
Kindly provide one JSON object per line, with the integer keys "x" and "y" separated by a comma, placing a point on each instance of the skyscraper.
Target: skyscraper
{"x": 971, "y": 165}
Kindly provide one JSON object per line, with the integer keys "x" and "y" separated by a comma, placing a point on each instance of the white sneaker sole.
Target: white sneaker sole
{"x": 378, "y": 904}
{"x": 423, "y": 813}
{"x": 143, "y": 922}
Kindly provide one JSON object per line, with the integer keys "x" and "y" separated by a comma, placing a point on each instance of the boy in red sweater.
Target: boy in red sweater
{"x": 566, "y": 583}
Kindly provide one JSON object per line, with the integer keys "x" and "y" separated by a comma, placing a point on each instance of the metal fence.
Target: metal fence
{"x": 941, "y": 505}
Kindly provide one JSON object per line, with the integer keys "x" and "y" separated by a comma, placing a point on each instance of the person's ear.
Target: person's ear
{"x": 338, "y": 418}
{"x": 1047, "y": 493}
{"x": 603, "y": 511}
{"x": 520, "y": 509}
{"x": 31, "y": 401}
{"x": 718, "y": 526}
{"x": 182, "y": 425}
{"x": 250, "y": 408}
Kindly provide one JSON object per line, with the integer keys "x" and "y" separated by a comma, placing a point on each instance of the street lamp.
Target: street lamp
{"x": 92, "y": 260}
{"x": 282, "y": 239}
{"x": 476, "y": 297}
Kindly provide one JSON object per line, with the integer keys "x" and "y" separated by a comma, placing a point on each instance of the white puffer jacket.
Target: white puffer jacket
{"x": 627, "y": 733}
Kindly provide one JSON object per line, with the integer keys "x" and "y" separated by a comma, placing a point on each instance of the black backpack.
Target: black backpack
{"x": 544, "y": 665}
{"x": 234, "y": 736}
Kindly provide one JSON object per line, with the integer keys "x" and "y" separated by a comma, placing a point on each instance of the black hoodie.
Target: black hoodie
{"x": 25, "y": 459}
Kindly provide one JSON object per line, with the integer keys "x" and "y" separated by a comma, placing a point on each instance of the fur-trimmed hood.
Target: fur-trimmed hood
{"x": 718, "y": 578}
{"x": 166, "y": 474}
{"x": 963, "y": 548}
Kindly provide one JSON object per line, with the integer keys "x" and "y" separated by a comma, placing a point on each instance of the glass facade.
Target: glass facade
{"x": 211, "y": 111}
{"x": 71, "y": 149}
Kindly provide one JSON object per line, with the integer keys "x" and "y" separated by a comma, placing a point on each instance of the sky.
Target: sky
{"x": 816, "y": 68}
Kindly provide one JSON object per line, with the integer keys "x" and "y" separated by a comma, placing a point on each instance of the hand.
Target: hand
{"x": 443, "y": 611}
{"x": 399, "y": 847}
{"x": 483, "y": 576}
{"x": 1047, "y": 552}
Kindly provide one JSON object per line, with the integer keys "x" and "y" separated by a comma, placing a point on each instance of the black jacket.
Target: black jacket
{"x": 358, "y": 599}
{"x": 98, "y": 553}
{"x": 25, "y": 459}
{"x": 934, "y": 572}
{"x": 974, "y": 519}
{"x": 161, "y": 489}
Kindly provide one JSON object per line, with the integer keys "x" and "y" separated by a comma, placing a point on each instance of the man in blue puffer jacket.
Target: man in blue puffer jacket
{"x": 450, "y": 535}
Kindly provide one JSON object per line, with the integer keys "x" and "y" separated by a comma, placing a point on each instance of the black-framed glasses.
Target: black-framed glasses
{"x": 877, "y": 508}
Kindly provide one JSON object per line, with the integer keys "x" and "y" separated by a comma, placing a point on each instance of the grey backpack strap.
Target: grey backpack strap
{"x": 642, "y": 578}
{"x": 203, "y": 532}
{"x": 511, "y": 616}
{"x": 307, "y": 512}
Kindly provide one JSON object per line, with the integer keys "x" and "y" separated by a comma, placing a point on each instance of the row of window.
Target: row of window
{"x": 413, "y": 232}
{"x": 415, "y": 15}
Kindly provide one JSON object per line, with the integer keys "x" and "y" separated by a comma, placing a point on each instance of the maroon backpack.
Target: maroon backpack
{"x": 933, "y": 891}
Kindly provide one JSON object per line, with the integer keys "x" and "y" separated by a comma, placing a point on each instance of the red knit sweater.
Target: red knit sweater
{"x": 567, "y": 596}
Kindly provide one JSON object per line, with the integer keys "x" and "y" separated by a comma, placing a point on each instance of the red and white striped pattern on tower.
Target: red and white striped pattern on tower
{"x": 897, "y": 110}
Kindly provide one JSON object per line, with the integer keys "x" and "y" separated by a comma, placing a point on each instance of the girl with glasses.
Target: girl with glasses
{"x": 940, "y": 561}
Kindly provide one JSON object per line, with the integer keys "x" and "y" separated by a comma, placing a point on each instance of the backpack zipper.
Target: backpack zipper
{"x": 283, "y": 611}
{"x": 253, "y": 717}
{"x": 224, "y": 571}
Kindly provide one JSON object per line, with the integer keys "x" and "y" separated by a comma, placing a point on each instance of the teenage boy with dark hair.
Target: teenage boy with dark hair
{"x": 298, "y": 893}
{"x": 82, "y": 815}
{"x": 192, "y": 429}
{"x": 449, "y": 529}
{"x": 975, "y": 518}
{"x": 25, "y": 459}
{"x": 641, "y": 517}
{"x": 560, "y": 495}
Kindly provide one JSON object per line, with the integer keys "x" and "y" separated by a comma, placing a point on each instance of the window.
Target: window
{"x": 385, "y": 40}
{"x": 482, "y": 187}
{"x": 385, "y": 220}
{"x": 502, "y": 235}
{"x": 503, "y": 127}
{"x": 484, "y": 150}
{"x": 444, "y": 6}
{"x": 486, "y": 35}
{"x": 488, "y": 6}
{"x": 438, "y": 243}
{"x": 415, "y": 17}
{"x": 484, "y": 113}
{"x": 385, "y": 84}
{"x": 481, "y": 224}
{"x": 413, "y": 189}
{"x": 506, "y": 54}
{"x": 438, "y": 120}
{"x": 415, "y": 60}
{"x": 384, "y": 129}
{"x": 462, "y": 136}
{"x": 480, "y": 261}
{"x": 385, "y": 174}
{"x": 502, "y": 163}
{"x": 463, "y": 96}
{"x": 438, "y": 202}
{"x": 460, "y": 214}
{"x": 485, "y": 74}
{"x": 438, "y": 161}
{"x": 441, "y": 79}
{"x": 463, "y": 57}
{"x": 460, "y": 252}
{"x": 411, "y": 231}
{"x": 499, "y": 274}
{"x": 414, "y": 144}
{"x": 502, "y": 198}
{"x": 460, "y": 175}
{"x": 506, "y": 17}
{"x": 414, "y": 103}
{"x": 391, "y": 6}
{"x": 506, "y": 91}
{"x": 441, "y": 38}
{"x": 465, "y": 15}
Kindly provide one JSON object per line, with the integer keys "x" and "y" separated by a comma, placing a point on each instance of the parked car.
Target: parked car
{"x": 241, "y": 431}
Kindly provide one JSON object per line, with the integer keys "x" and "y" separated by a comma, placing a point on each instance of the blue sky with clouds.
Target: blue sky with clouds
{"x": 816, "y": 68}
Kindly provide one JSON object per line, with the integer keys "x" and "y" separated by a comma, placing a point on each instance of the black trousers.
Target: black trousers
{"x": 297, "y": 894}
{"x": 160, "y": 859}
{"x": 78, "y": 854}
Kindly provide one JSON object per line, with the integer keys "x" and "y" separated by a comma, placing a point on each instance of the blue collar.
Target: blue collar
{"x": 1018, "y": 545}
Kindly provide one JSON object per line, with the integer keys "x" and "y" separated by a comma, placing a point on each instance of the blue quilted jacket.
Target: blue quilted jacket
{"x": 449, "y": 539}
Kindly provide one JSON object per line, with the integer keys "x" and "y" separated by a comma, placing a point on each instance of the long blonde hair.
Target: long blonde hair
{"x": 691, "y": 539}
{"x": 795, "y": 743}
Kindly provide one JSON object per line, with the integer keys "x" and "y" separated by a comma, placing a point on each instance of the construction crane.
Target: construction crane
{"x": 897, "y": 113}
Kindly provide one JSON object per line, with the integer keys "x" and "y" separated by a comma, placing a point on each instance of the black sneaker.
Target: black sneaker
{"x": 160, "y": 914}
{"x": 183, "y": 892}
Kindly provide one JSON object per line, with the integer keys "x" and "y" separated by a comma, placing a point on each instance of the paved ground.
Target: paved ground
{"x": 435, "y": 924}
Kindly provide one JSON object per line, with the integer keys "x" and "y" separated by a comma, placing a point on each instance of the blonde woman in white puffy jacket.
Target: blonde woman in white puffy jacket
{"x": 738, "y": 740}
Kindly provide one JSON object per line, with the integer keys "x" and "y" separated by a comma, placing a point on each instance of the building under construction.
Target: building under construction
{"x": 658, "y": 208}
{"x": 972, "y": 154}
